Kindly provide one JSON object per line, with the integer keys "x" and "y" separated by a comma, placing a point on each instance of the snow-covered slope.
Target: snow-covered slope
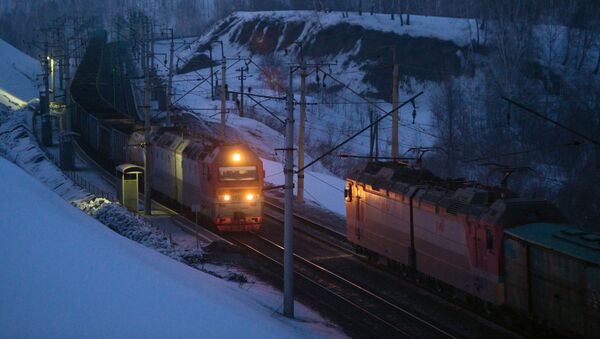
{"x": 357, "y": 52}
{"x": 18, "y": 73}
{"x": 67, "y": 275}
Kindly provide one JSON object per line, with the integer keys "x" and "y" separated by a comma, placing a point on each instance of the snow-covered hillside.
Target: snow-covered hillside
{"x": 263, "y": 43}
{"x": 18, "y": 73}
{"x": 67, "y": 275}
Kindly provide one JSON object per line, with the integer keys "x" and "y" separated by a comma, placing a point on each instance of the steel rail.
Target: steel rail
{"x": 362, "y": 289}
{"x": 328, "y": 290}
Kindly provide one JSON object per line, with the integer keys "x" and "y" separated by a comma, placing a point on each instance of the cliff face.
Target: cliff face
{"x": 429, "y": 49}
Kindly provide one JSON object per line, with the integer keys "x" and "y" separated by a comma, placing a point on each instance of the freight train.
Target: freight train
{"x": 478, "y": 240}
{"x": 219, "y": 181}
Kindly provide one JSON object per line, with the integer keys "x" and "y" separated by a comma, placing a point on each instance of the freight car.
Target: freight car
{"x": 552, "y": 274}
{"x": 223, "y": 183}
{"x": 452, "y": 232}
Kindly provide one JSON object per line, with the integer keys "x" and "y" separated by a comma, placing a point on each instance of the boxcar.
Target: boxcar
{"x": 552, "y": 274}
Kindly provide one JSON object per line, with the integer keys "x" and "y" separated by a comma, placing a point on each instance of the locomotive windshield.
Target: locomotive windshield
{"x": 238, "y": 173}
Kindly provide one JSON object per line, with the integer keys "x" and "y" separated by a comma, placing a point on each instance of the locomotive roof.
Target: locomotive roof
{"x": 399, "y": 178}
{"x": 198, "y": 149}
{"x": 565, "y": 239}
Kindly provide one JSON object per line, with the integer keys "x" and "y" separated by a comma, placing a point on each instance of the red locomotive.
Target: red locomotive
{"x": 480, "y": 240}
{"x": 223, "y": 183}
{"x": 448, "y": 230}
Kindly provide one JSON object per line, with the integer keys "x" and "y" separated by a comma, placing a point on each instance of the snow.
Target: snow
{"x": 18, "y": 144}
{"x": 67, "y": 275}
{"x": 327, "y": 191}
{"x": 19, "y": 72}
{"x": 456, "y": 30}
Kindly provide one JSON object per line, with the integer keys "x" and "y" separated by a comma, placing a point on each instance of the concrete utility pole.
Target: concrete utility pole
{"x": 147, "y": 135}
{"x": 45, "y": 103}
{"x": 223, "y": 91}
{"x": 243, "y": 76}
{"x": 60, "y": 34}
{"x": 288, "y": 235}
{"x": 52, "y": 77}
{"x": 170, "y": 80}
{"x": 395, "y": 94}
{"x": 67, "y": 74}
{"x": 303, "y": 74}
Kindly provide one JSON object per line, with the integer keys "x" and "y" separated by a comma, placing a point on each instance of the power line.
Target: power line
{"x": 554, "y": 122}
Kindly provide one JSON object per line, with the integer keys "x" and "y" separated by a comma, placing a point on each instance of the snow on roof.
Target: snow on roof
{"x": 67, "y": 275}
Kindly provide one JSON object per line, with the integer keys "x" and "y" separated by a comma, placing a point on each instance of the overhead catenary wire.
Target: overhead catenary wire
{"x": 361, "y": 131}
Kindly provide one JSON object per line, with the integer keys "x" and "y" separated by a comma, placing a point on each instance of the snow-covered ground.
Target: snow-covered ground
{"x": 18, "y": 72}
{"x": 452, "y": 29}
{"x": 67, "y": 275}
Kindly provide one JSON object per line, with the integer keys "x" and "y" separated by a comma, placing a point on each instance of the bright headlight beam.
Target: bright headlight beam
{"x": 249, "y": 196}
{"x": 237, "y": 157}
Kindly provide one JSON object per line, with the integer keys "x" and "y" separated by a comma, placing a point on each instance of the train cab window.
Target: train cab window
{"x": 489, "y": 240}
{"x": 348, "y": 193}
{"x": 238, "y": 173}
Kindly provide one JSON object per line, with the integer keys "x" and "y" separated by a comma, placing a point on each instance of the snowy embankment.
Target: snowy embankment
{"x": 67, "y": 275}
{"x": 18, "y": 145}
{"x": 18, "y": 74}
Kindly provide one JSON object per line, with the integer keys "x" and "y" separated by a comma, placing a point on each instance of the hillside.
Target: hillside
{"x": 68, "y": 275}
{"x": 18, "y": 76}
{"x": 464, "y": 69}
{"x": 428, "y": 50}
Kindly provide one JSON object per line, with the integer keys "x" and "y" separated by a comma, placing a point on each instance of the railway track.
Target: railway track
{"x": 336, "y": 289}
{"x": 380, "y": 317}
{"x": 313, "y": 230}
{"x": 333, "y": 289}
{"x": 334, "y": 292}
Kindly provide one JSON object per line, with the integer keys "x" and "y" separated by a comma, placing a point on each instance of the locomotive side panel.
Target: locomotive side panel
{"x": 378, "y": 223}
{"x": 164, "y": 172}
{"x": 162, "y": 169}
{"x": 441, "y": 247}
{"x": 179, "y": 172}
{"x": 192, "y": 184}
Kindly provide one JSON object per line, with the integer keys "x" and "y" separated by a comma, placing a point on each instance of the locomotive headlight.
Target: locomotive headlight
{"x": 236, "y": 157}
{"x": 226, "y": 197}
{"x": 249, "y": 196}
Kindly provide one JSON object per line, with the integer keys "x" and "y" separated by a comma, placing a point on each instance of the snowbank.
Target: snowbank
{"x": 325, "y": 190}
{"x": 19, "y": 72}
{"x": 18, "y": 144}
{"x": 67, "y": 275}
{"x": 129, "y": 225}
